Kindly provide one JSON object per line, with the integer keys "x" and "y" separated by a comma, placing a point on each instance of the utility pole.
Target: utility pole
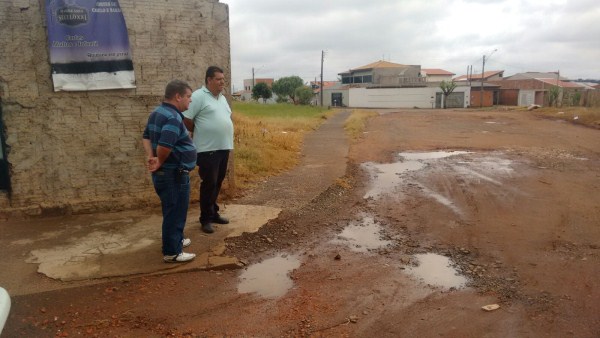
{"x": 481, "y": 91}
{"x": 252, "y": 77}
{"x": 321, "y": 89}
{"x": 470, "y": 74}
{"x": 482, "y": 71}
{"x": 559, "y": 96}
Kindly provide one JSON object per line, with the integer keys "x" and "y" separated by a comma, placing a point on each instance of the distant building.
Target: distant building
{"x": 384, "y": 84}
{"x": 250, "y": 83}
{"x": 384, "y": 74}
{"x": 436, "y": 74}
{"x": 524, "y": 89}
{"x": 316, "y": 87}
{"x": 246, "y": 93}
{"x": 484, "y": 93}
{"x": 490, "y": 75}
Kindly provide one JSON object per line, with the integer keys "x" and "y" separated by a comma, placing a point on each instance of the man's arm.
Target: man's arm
{"x": 189, "y": 124}
{"x": 151, "y": 160}
{"x": 162, "y": 153}
{"x": 147, "y": 147}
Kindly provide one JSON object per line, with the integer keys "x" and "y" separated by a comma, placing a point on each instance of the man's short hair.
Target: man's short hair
{"x": 176, "y": 87}
{"x": 210, "y": 72}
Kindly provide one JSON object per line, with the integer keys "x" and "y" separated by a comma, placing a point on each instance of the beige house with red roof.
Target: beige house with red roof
{"x": 484, "y": 91}
{"x": 490, "y": 75}
{"x": 436, "y": 74}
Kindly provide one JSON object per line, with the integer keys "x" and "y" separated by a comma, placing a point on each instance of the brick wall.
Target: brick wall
{"x": 521, "y": 84}
{"x": 75, "y": 152}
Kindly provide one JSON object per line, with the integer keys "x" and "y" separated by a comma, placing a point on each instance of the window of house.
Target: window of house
{"x": 346, "y": 79}
{"x": 367, "y": 79}
{"x": 357, "y": 79}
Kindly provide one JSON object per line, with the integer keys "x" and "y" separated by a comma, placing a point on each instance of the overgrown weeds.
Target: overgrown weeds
{"x": 587, "y": 116}
{"x": 268, "y": 138}
{"x": 356, "y": 123}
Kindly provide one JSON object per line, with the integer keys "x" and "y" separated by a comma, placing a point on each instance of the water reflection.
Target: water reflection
{"x": 437, "y": 270}
{"x": 270, "y": 278}
{"x": 363, "y": 236}
{"x": 387, "y": 176}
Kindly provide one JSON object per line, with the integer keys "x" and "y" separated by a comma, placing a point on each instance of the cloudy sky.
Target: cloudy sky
{"x": 285, "y": 37}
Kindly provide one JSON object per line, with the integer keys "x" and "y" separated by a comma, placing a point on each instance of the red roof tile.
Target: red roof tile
{"x": 436, "y": 71}
{"x": 563, "y": 84}
{"x": 486, "y": 75}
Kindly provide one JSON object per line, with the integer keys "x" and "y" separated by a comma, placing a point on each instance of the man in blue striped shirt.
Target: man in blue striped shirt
{"x": 171, "y": 155}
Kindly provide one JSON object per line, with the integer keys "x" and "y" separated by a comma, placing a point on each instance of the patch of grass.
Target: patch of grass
{"x": 268, "y": 138}
{"x": 357, "y": 122}
{"x": 589, "y": 117}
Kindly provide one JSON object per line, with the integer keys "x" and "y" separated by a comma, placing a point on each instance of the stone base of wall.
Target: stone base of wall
{"x": 76, "y": 208}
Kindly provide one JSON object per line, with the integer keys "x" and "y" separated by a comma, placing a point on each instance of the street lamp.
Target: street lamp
{"x": 482, "y": 71}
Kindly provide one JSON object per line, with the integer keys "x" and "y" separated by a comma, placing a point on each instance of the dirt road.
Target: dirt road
{"x": 439, "y": 213}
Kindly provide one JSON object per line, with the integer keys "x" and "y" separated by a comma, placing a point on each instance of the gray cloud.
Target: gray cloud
{"x": 282, "y": 38}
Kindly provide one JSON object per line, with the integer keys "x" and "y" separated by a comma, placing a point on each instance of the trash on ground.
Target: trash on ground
{"x": 491, "y": 307}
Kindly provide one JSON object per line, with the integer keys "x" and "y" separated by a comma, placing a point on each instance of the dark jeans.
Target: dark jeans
{"x": 173, "y": 188}
{"x": 212, "y": 167}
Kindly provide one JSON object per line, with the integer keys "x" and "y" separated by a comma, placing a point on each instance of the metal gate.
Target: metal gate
{"x": 336, "y": 99}
{"x": 454, "y": 100}
{"x": 526, "y": 97}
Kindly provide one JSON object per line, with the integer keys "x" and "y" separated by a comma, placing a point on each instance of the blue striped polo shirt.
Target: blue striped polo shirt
{"x": 165, "y": 128}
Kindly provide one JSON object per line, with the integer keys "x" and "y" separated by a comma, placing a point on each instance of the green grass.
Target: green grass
{"x": 279, "y": 110}
{"x": 268, "y": 138}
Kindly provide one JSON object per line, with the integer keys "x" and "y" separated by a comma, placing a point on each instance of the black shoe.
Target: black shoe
{"x": 208, "y": 228}
{"x": 220, "y": 220}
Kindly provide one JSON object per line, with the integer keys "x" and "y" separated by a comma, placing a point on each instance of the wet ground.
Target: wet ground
{"x": 445, "y": 223}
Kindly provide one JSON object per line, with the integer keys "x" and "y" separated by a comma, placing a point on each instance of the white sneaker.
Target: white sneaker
{"x": 186, "y": 242}
{"x": 182, "y": 257}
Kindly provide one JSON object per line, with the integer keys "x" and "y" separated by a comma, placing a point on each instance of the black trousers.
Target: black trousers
{"x": 212, "y": 167}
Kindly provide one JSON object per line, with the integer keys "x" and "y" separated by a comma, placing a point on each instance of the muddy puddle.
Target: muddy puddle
{"x": 387, "y": 176}
{"x": 436, "y": 270}
{"x": 269, "y": 278}
{"x": 418, "y": 169}
{"x": 362, "y": 236}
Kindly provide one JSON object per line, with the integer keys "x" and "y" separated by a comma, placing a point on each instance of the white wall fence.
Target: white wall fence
{"x": 399, "y": 97}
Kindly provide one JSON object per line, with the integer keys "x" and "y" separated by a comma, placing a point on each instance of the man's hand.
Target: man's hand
{"x": 153, "y": 164}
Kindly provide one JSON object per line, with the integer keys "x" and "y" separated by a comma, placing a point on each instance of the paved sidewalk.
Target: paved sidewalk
{"x": 61, "y": 252}
{"x": 74, "y": 250}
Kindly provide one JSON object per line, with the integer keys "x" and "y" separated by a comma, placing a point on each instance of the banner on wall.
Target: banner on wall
{"x": 89, "y": 45}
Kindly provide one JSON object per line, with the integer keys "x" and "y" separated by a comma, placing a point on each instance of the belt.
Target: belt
{"x": 177, "y": 171}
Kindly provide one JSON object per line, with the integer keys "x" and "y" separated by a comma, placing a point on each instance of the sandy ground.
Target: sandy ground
{"x": 439, "y": 213}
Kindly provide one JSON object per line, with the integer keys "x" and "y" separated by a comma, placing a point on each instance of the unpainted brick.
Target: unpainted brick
{"x": 81, "y": 151}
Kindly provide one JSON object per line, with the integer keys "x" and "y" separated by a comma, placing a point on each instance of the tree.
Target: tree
{"x": 447, "y": 89}
{"x": 304, "y": 95}
{"x": 261, "y": 90}
{"x": 553, "y": 94}
{"x": 286, "y": 87}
